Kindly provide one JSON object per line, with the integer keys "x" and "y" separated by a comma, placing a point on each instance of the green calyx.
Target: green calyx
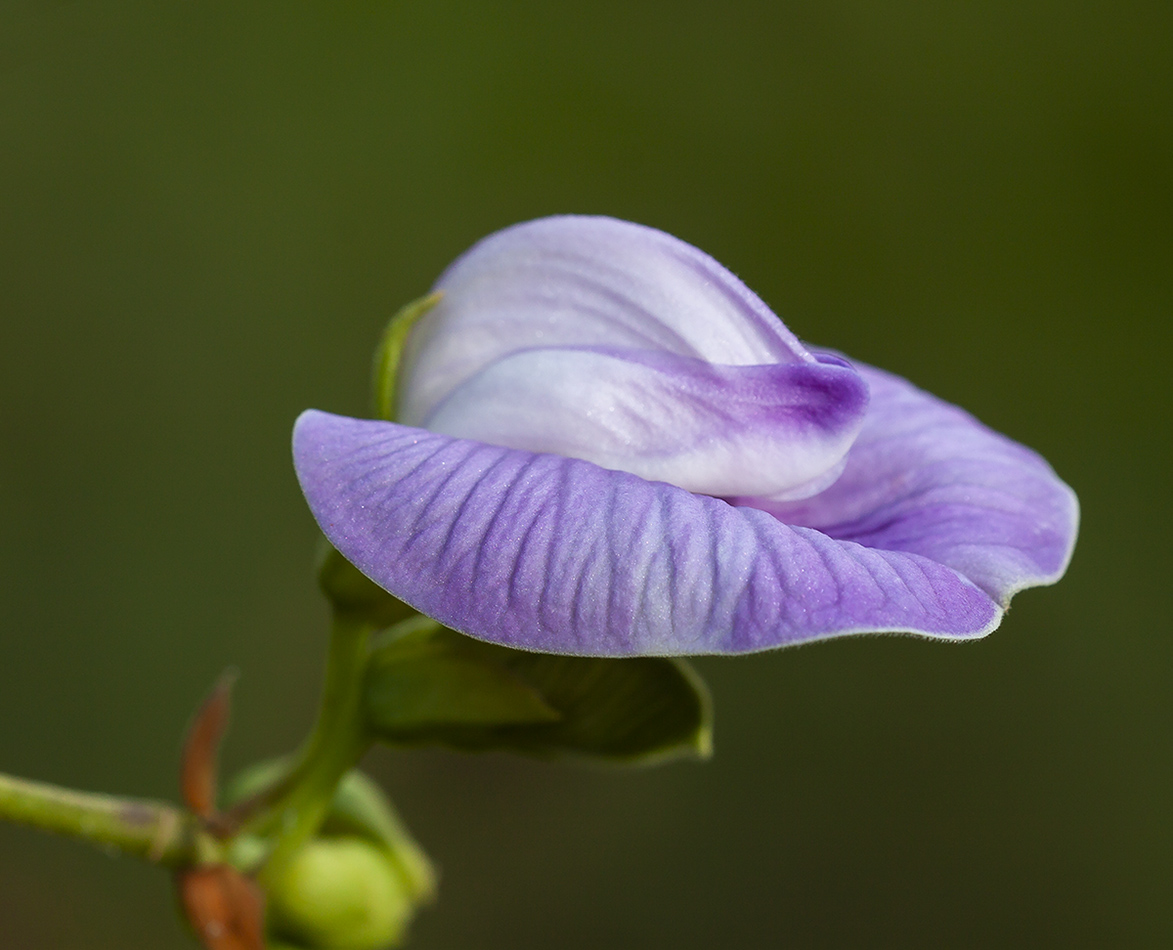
{"x": 385, "y": 382}
{"x": 352, "y": 594}
{"x": 428, "y": 685}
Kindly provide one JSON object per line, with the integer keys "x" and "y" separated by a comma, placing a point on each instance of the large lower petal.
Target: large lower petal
{"x": 927, "y": 478}
{"x": 575, "y": 280}
{"x": 555, "y": 554}
{"x": 779, "y": 429}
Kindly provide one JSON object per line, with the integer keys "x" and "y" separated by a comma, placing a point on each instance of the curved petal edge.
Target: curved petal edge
{"x": 548, "y": 553}
{"x": 926, "y": 477}
{"x": 584, "y": 280}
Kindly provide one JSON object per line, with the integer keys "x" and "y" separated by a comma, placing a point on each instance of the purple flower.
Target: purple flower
{"x": 610, "y": 446}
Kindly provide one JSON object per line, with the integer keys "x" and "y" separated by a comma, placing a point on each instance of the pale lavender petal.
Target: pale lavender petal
{"x": 554, "y": 554}
{"x": 927, "y": 478}
{"x": 584, "y": 281}
{"x": 782, "y": 428}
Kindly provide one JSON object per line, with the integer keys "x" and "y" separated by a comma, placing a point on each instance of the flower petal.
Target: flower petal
{"x": 554, "y": 554}
{"x": 717, "y": 430}
{"x": 927, "y": 478}
{"x": 584, "y": 281}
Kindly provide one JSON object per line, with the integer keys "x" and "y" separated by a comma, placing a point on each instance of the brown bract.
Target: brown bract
{"x": 198, "y": 778}
{"x": 225, "y": 908}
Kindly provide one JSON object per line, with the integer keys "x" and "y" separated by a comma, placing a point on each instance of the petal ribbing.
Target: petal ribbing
{"x": 556, "y": 554}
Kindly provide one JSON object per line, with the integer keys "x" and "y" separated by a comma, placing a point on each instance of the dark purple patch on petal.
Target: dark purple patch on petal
{"x": 927, "y": 478}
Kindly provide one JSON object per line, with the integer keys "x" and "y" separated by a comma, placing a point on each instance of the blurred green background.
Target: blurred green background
{"x": 209, "y": 208}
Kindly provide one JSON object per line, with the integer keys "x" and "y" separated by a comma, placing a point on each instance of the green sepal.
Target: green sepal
{"x": 385, "y": 382}
{"x": 352, "y": 594}
{"x": 630, "y": 710}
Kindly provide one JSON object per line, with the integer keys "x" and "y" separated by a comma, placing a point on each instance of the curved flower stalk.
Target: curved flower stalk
{"x": 609, "y": 446}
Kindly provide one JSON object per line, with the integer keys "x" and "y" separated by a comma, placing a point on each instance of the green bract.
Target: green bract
{"x": 385, "y": 384}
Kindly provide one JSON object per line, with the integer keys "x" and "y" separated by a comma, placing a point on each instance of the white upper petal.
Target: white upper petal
{"x": 774, "y": 430}
{"x": 584, "y": 281}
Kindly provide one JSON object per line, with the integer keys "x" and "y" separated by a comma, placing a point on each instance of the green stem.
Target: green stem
{"x": 156, "y": 831}
{"x": 338, "y": 740}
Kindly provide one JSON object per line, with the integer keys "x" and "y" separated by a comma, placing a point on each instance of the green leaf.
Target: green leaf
{"x": 636, "y": 709}
{"x": 385, "y": 384}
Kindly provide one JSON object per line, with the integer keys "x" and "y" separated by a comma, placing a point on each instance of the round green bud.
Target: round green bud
{"x": 339, "y": 894}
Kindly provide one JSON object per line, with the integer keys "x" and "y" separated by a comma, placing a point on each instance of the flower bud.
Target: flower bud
{"x": 353, "y": 887}
{"x": 340, "y": 894}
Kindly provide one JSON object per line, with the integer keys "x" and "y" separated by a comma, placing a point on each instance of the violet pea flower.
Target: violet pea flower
{"x": 609, "y": 446}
